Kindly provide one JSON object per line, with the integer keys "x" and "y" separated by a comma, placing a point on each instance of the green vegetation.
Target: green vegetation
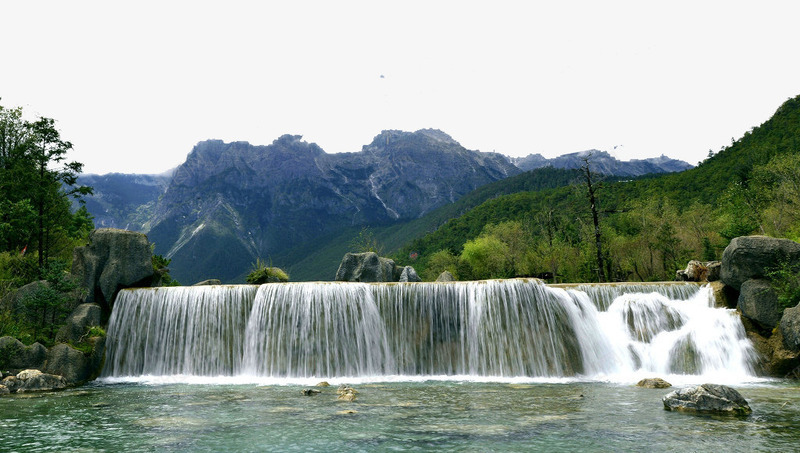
{"x": 647, "y": 227}
{"x": 38, "y": 227}
{"x": 785, "y": 280}
{"x": 263, "y": 273}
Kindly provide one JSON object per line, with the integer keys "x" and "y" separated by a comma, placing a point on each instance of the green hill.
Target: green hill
{"x": 650, "y": 226}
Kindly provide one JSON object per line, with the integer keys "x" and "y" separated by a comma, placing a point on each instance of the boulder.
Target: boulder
{"x": 42, "y": 382}
{"x": 114, "y": 259}
{"x": 78, "y": 323}
{"x": 759, "y": 302}
{"x": 751, "y": 257}
{"x": 366, "y": 267}
{"x": 24, "y": 375}
{"x": 66, "y": 361}
{"x": 774, "y": 359}
{"x": 209, "y": 282}
{"x": 445, "y": 276}
{"x": 697, "y": 271}
{"x": 14, "y": 355}
{"x": 707, "y": 399}
{"x": 653, "y": 383}
{"x": 11, "y": 383}
{"x": 790, "y": 328}
{"x": 4, "y": 390}
{"x": 409, "y": 275}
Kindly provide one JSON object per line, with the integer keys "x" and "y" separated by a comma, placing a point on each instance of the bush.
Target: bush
{"x": 785, "y": 280}
{"x": 266, "y": 274}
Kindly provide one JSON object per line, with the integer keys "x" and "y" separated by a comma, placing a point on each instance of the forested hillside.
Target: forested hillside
{"x": 648, "y": 227}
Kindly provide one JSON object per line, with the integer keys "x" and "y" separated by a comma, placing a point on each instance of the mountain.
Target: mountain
{"x": 603, "y": 162}
{"x": 124, "y": 200}
{"x": 230, "y": 203}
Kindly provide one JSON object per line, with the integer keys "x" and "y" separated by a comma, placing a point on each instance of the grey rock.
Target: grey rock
{"x": 42, "y": 382}
{"x": 751, "y": 257}
{"x": 707, "y": 399}
{"x": 366, "y": 267}
{"x": 66, "y": 361}
{"x": 15, "y": 355}
{"x": 11, "y": 383}
{"x": 759, "y": 302}
{"x": 78, "y": 322}
{"x": 4, "y": 390}
{"x": 114, "y": 259}
{"x": 409, "y": 274}
{"x": 790, "y": 328}
{"x": 209, "y": 282}
{"x": 445, "y": 276}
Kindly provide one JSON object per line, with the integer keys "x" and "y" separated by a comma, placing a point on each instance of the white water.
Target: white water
{"x": 501, "y": 330}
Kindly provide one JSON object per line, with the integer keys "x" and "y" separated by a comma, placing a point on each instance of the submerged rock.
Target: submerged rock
{"x": 707, "y": 399}
{"x": 653, "y": 383}
{"x": 309, "y": 392}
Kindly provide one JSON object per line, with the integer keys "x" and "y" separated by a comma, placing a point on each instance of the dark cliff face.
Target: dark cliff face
{"x": 232, "y": 202}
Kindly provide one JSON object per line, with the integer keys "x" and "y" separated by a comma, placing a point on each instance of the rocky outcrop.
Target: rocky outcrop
{"x": 751, "y": 257}
{"x": 759, "y": 302}
{"x": 366, "y": 267}
{"x": 64, "y": 360}
{"x": 14, "y": 355}
{"x": 114, "y": 259}
{"x": 445, "y": 276}
{"x": 707, "y": 399}
{"x": 409, "y": 274}
{"x": 78, "y": 323}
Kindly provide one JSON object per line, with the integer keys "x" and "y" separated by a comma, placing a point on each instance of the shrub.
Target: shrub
{"x": 266, "y": 274}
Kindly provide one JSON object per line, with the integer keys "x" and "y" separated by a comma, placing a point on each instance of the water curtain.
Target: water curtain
{"x": 495, "y": 328}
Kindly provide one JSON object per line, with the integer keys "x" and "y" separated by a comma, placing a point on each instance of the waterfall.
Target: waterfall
{"x": 494, "y": 328}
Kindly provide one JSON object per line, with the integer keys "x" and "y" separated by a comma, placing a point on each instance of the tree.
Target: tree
{"x": 591, "y": 188}
{"x": 36, "y": 188}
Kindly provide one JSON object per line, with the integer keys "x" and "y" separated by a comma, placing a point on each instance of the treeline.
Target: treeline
{"x": 648, "y": 227}
{"x": 38, "y": 227}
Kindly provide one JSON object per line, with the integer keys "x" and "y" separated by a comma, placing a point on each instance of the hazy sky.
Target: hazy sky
{"x": 135, "y": 85}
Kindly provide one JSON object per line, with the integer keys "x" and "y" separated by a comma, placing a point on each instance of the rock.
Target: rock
{"x": 790, "y": 328}
{"x": 697, "y": 271}
{"x": 445, "y": 276}
{"x": 27, "y": 374}
{"x": 349, "y": 397}
{"x": 64, "y": 360}
{"x": 366, "y": 267}
{"x": 11, "y": 383}
{"x": 310, "y": 392}
{"x": 707, "y": 399}
{"x": 409, "y": 275}
{"x": 42, "y": 382}
{"x": 209, "y": 282}
{"x": 653, "y": 383}
{"x": 759, "y": 302}
{"x": 774, "y": 359}
{"x": 722, "y": 298}
{"x": 346, "y": 393}
{"x": 750, "y": 257}
{"x": 78, "y": 323}
{"x": 323, "y": 384}
{"x": 114, "y": 259}
{"x": 16, "y": 356}
{"x": 346, "y": 412}
{"x": 4, "y": 390}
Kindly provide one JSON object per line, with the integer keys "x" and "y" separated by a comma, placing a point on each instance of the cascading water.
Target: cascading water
{"x": 498, "y": 328}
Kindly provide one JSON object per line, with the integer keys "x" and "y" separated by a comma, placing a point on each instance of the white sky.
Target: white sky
{"x": 135, "y": 86}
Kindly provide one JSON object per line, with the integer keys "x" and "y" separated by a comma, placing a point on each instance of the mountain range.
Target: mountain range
{"x": 231, "y": 203}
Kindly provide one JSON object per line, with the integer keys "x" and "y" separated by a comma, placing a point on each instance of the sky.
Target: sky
{"x": 135, "y": 85}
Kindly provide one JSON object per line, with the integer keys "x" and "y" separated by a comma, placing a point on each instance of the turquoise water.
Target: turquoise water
{"x": 394, "y": 416}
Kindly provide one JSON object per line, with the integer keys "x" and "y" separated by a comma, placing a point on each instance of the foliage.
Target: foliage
{"x": 36, "y": 186}
{"x": 365, "y": 241}
{"x": 45, "y": 307}
{"x": 263, "y": 273}
{"x": 161, "y": 271}
{"x": 785, "y": 279}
